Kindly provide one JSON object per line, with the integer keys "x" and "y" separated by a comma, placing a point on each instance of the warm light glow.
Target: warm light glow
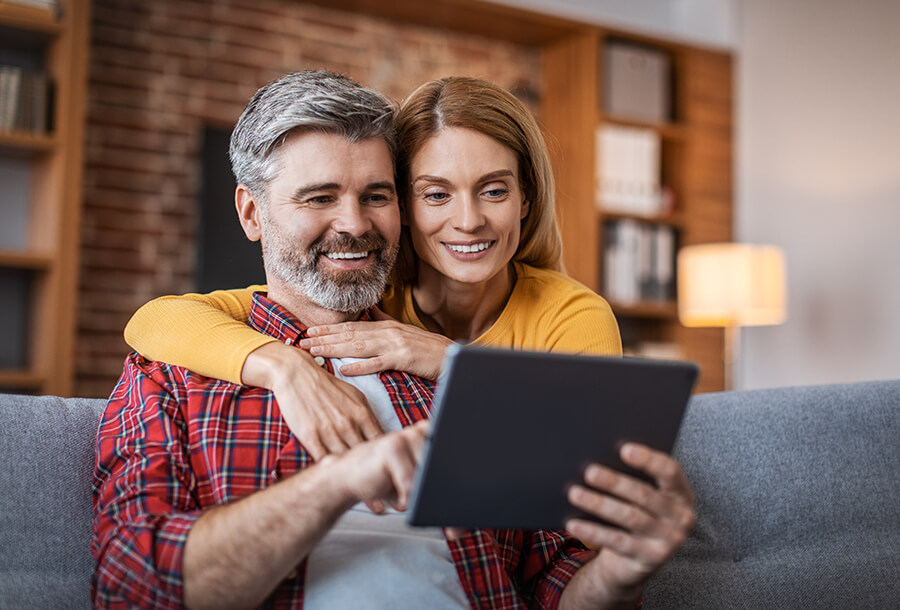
{"x": 731, "y": 285}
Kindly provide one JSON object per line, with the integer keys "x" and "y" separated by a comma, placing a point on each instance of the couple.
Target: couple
{"x": 205, "y": 490}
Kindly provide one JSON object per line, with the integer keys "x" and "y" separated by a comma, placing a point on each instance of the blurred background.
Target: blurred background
{"x": 782, "y": 129}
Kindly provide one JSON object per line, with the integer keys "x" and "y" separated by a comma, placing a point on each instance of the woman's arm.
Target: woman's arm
{"x": 208, "y": 334}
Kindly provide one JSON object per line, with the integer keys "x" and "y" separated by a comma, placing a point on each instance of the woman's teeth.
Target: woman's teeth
{"x": 471, "y": 247}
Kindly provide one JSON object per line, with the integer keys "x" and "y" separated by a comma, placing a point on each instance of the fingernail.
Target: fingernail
{"x": 629, "y": 451}
{"x": 315, "y": 350}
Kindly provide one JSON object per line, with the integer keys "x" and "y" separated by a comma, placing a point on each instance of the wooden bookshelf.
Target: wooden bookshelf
{"x": 40, "y": 258}
{"x": 697, "y": 145}
{"x": 696, "y": 164}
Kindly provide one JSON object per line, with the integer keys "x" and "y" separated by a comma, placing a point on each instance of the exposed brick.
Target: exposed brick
{"x": 159, "y": 72}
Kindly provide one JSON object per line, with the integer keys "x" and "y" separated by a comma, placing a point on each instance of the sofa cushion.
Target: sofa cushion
{"x": 798, "y": 503}
{"x": 47, "y": 460}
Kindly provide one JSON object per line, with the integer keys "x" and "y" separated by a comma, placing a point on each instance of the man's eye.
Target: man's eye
{"x": 319, "y": 200}
{"x": 378, "y": 199}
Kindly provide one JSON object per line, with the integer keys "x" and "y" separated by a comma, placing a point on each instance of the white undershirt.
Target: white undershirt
{"x": 378, "y": 561}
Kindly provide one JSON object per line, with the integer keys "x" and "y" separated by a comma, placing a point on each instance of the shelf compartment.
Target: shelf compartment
{"x": 20, "y": 380}
{"x": 26, "y": 260}
{"x": 30, "y": 19}
{"x": 26, "y": 142}
{"x": 673, "y": 132}
{"x": 662, "y": 310}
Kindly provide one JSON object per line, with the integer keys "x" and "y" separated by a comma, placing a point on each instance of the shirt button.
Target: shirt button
{"x": 294, "y": 574}
{"x": 319, "y": 360}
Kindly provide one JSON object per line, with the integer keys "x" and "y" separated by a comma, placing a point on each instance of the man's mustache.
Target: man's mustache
{"x": 345, "y": 242}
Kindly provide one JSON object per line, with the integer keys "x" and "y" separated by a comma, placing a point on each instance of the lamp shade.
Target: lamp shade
{"x": 731, "y": 284}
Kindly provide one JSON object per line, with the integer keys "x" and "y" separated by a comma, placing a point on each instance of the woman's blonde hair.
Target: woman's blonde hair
{"x": 484, "y": 107}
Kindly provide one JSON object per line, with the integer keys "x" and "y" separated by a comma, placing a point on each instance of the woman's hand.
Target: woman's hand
{"x": 384, "y": 345}
{"x": 326, "y": 414}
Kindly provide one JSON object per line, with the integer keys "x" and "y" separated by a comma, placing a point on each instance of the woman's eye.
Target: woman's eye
{"x": 497, "y": 193}
{"x": 437, "y": 197}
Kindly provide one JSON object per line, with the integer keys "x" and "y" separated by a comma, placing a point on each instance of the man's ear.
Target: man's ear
{"x": 248, "y": 212}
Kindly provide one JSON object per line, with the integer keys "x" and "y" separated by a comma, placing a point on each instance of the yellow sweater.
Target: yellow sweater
{"x": 208, "y": 333}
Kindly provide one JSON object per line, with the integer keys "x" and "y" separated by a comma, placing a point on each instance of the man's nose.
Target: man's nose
{"x": 467, "y": 214}
{"x": 352, "y": 217}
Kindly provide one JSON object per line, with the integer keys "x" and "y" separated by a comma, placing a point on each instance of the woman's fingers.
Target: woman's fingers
{"x": 381, "y": 346}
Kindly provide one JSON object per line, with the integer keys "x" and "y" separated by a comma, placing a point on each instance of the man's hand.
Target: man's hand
{"x": 237, "y": 553}
{"x": 385, "y": 344}
{"x": 326, "y": 414}
{"x": 381, "y": 470}
{"x": 651, "y": 524}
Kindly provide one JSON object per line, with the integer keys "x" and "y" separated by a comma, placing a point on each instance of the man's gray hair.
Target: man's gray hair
{"x": 310, "y": 100}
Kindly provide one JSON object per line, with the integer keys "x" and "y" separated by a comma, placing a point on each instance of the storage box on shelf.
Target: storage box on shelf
{"x": 637, "y": 182}
{"x": 43, "y": 50}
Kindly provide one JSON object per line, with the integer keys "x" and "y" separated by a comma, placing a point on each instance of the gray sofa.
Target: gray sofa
{"x": 798, "y": 500}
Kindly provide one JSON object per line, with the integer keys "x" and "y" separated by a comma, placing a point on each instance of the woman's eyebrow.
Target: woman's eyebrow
{"x": 427, "y": 178}
{"x": 500, "y": 173}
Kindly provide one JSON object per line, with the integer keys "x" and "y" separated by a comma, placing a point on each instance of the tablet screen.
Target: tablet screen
{"x": 512, "y": 430}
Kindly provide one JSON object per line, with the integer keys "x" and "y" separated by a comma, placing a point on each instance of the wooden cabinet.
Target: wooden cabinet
{"x": 696, "y": 164}
{"x": 40, "y": 197}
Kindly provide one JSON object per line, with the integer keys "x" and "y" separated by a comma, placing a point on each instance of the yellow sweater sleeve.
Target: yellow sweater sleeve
{"x": 206, "y": 333}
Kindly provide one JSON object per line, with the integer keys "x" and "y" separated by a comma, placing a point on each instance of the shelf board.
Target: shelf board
{"x": 21, "y": 379}
{"x": 26, "y": 141}
{"x": 647, "y": 309}
{"x": 29, "y": 18}
{"x": 672, "y": 132}
{"x": 23, "y": 259}
{"x": 673, "y": 220}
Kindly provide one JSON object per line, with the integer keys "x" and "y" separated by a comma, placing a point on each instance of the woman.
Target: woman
{"x": 480, "y": 261}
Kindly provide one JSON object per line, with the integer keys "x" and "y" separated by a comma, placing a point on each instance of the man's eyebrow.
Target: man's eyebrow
{"x": 385, "y": 185}
{"x": 303, "y": 191}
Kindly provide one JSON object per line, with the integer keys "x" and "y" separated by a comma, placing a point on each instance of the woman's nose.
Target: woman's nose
{"x": 467, "y": 216}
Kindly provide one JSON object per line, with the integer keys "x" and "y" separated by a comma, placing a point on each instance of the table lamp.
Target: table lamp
{"x": 731, "y": 285}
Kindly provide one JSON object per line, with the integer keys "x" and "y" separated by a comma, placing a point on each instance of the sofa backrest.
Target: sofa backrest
{"x": 46, "y": 463}
{"x": 798, "y": 500}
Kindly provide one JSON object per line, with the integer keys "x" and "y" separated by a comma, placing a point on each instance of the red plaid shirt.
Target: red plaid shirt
{"x": 172, "y": 443}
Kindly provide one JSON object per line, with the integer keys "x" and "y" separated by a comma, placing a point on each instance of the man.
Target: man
{"x": 204, "y": 498}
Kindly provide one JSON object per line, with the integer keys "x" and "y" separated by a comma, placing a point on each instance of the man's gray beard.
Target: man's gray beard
{"x": 344, "y": 291}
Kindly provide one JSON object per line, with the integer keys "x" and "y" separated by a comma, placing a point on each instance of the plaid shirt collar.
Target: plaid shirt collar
{"x": 270, "y": 318}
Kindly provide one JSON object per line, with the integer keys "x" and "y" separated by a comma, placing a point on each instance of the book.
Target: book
{"x": 628, "y": 170}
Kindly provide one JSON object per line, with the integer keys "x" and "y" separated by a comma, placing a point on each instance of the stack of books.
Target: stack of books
{"x": 638, "y": 262}
{"x": 49, "y": 5}
{"x": 628, "y": 170}
{"x": 23, "y": 100}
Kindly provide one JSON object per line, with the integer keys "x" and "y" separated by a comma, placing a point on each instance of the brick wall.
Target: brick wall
{"x": 159, "y": 72}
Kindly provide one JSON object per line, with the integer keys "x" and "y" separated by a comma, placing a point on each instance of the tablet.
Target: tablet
{"x": 512, "y": 430}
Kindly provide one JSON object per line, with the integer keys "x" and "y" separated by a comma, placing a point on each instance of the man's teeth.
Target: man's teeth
{"x": 471, "y": 247}
{"x": 341, "y": 255}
